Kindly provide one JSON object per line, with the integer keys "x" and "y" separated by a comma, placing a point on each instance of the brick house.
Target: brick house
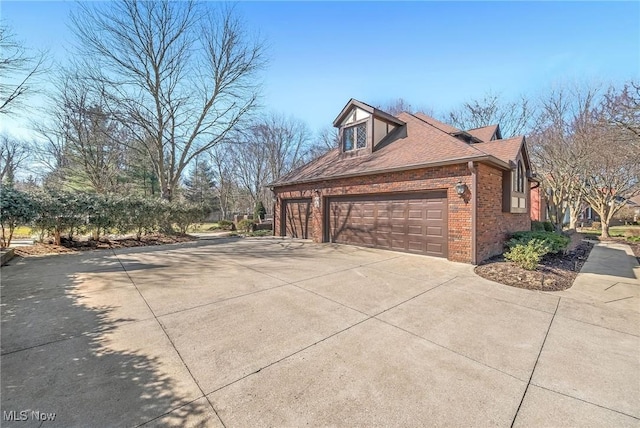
{"x": 409, "y": 183}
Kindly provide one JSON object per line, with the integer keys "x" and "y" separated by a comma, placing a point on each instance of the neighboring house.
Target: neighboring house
{"x": 409, "y": 183}
{"x": 538, "y": 204}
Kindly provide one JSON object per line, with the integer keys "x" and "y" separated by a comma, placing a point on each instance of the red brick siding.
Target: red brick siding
{"x": 493, "y": 225}
{"x": 538, "y": 205}
{"x": 459, "y": 215}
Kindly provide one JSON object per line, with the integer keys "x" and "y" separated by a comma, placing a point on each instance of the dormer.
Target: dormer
{"x": 515, "y": 183}
{"x": 362, "y": 127}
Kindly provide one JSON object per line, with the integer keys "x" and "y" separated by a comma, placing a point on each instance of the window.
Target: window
{"x": 354, "y": 137}
{"x": 514, "y": 190}
{"x": 347, "y": 138}
{"x": 520, "y": 178}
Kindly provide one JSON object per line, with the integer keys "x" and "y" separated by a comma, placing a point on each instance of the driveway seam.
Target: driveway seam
{"x": 226, "y": 299}
{"x": 617, "y": 300}
{"x": 294, "y": 283}
{"x": 85, "y": 334}
{"x": 375, "y": 316}
{"x": 585, "y": 401}
{"x": 450, "y": 350}
{"x": 599, "y": 326}
{"x": 317, "y": 276}
{"x": 536, "y": 363}
{"x": 504, "y": 300}
{"x": 289, "y": 356}
{"x": 170, "y": 341}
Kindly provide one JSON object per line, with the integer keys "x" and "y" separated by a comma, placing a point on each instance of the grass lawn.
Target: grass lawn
{"x": 632, "y": 233}
{"x": 22, "y": 232}
{"x": 203, "y": 227}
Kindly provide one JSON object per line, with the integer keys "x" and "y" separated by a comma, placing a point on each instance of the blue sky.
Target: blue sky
{"x": 433, "y": 54}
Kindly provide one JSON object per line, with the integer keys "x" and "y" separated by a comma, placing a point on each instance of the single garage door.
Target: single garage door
{"x": 297, "y": 218}
{"x": 415, "y": 223}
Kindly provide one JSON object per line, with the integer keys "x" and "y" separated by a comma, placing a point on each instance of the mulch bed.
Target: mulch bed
{"x": 40, "y": 249}
{"x": 555, "y": 272}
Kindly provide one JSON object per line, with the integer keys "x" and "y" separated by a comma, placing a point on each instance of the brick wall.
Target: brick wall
{"x": 438, "y": 178}
{"x": 538, "y": 205}
{"x": 493, "y": 225}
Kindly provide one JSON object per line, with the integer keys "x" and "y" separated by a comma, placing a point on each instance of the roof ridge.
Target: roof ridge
{"x": 435, "y": 120}
{"x": 482, "y": 127}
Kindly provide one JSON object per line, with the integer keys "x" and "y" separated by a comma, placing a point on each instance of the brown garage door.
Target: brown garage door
{"x": 297, "y": 218}
{"x": 415, "y": 223}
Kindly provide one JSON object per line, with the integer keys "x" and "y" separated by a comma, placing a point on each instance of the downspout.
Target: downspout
{"x": 474, "y": 207}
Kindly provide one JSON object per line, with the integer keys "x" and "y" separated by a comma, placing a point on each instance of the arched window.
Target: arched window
{"x": 520, "y": 178}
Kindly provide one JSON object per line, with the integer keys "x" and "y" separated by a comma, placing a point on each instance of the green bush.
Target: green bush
{"x": 16, "y": 208}
{"x": 225, "y": 225}
{"x": 528, "y": 255}
{"x": 183, "y": 215}
{"x": 263, "y": 232}
{"x": 246, "y": 225}
{"x": 260, "y": 211}
{"x": 555, "y": 241}
{"x": 548, "y": 226}
{"x": 141, "y": 215}
{"x": 537, "y": 226}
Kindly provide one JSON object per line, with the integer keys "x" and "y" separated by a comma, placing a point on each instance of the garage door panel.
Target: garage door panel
{"x": 407, "y": 222}
{"x": 297, "y": 217}
{"x": 434, "y": 231}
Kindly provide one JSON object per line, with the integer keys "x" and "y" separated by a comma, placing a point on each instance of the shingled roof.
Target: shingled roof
{"x": 486, "y": 133}
{"x": 422, "y": 142}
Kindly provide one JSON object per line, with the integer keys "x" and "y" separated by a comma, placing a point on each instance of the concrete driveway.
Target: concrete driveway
{"x": 269, "y": 332}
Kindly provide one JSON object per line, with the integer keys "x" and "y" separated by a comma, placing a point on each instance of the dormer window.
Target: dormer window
{"x": 354, "y": 137}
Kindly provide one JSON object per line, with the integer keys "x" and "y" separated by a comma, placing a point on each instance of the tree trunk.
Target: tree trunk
{"x": 605, "y": 229}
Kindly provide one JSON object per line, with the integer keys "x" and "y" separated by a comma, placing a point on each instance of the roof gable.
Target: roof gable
{"x": 358, "y": 107}
{"x": 486, "y": 133}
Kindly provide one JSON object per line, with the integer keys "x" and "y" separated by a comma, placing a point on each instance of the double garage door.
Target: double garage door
{"x": 415, "y": 222}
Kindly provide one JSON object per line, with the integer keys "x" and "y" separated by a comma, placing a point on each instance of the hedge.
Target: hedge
{"x": 52, "y": 212}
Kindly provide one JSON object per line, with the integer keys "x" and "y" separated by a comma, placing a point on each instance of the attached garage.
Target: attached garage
{"x": 297, "y": 216}
{"x": 415, "y": 223}
{"x": 409, "y": 183}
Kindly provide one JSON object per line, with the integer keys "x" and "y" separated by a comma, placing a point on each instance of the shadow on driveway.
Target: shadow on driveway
{"x": 66, "y": 350}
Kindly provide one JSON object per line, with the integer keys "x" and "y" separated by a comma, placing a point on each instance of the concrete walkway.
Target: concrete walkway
{"x": 610, "y": 276}
{"x": 269, "y": 332}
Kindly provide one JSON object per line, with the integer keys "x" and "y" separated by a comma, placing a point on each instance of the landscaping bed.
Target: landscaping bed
{"x": 68, "y": 246}
{"x": 555, "y": 272}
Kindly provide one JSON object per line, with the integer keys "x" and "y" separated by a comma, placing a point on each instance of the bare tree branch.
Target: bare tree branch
{"x": 19, "y": 71}
{"x": 181, "y": 74}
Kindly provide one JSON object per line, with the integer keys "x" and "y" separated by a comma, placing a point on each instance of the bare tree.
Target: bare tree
{"x": 224, "y": 184}
{"x": 19, "y": 70}
{"x": 622, "y": 109}
{"x": 558, "y": 156}
{"x": 13, "y": 153}
{"x": 328, "y": 138}
{"x": 269, "y": 148}
{"x": 612, "y": 170}
{"x": 181, "y": 75}
{"x": 396, "y": 107}
{"x": 89, "y": 139}
{"x": 512, "y": 116}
